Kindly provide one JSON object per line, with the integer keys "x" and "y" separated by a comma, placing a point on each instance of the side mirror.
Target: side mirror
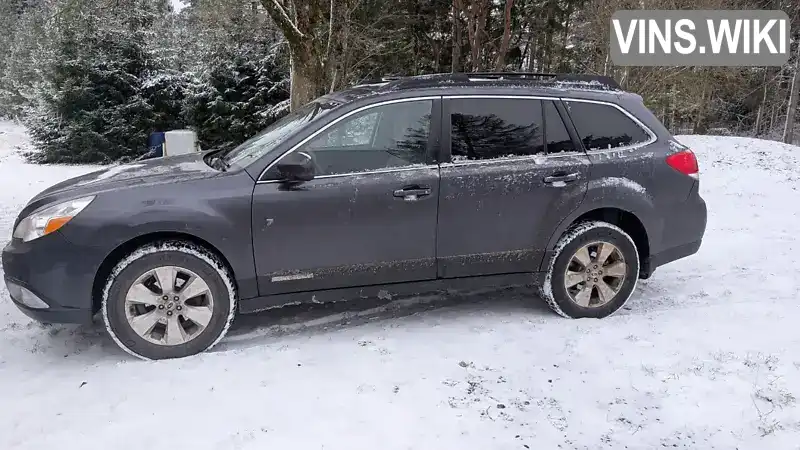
{"x": 297, "y": 167}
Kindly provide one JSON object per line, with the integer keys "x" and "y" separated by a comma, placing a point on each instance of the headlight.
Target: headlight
{"x": 50, "y": 219}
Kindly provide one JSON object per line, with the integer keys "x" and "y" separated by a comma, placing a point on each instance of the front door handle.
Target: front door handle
{"x": 568, "y": 178}
{"x": 411, "y": 193}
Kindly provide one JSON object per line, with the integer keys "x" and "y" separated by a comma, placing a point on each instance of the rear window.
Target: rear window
{"x": 602, "y": 127}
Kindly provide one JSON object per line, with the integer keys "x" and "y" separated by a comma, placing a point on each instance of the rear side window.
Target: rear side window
{"x": 558, "y": 139}
{"x": 602, "y": 127}
{"x": 492, "y": 128}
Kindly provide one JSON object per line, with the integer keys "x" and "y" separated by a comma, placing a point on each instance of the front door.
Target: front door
{"x": 514, "y": 175}
{"x": 369, "y": 216}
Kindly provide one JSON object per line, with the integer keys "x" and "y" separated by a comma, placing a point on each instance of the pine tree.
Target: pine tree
{"x": 234, "y": 100}
{"x": 240, "y": 73}
{"x": 92, "y": 105}
{"x": 24, "y": 51}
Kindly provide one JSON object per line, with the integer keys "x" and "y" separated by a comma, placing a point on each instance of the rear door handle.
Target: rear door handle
{"x": 562, "y": 178}
{"x": 412, "y": 192}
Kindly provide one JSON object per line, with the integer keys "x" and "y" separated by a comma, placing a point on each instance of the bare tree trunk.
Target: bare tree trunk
{"x": 308, "y": 81}
{"x": 760, "y": 113}
{"x": 672, "y": 118}
{"x": 536, "y": 48}
{"x": 773, "y": 118}
{"x": 330, "y": 54}
{"x": 476, "y": 23}
{"x": 345, "y": 61}
{"x": 470, "y": 13}
{"x": 501, "y": 55}
{"x": 524, "y": 54}
{"x": 700, "y": 121}
{"x": 481, "y": 11}
{"x": 568, "y": 14}
{"x": 307, "y": 72}
{"x": 317, "y": 65}
{"x": 788, "y": 129}
{"x": 436, "y": 44}
{"x": 532, "y": 55}
{"x": 547, "y": 54}
{"x": 758, "y": 120}
{"x": 455, "y": 63}
{"x": 339, "y": 75}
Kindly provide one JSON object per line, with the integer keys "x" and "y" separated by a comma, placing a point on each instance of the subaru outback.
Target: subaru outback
{"x": 397, "y": 187}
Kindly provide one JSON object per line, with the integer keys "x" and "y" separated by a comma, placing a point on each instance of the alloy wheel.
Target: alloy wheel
{"x": 595, "y": 274}
{"x": 169, "y": 305}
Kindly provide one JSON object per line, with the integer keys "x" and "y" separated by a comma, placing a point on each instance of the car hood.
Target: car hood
{"x": 171, "y": 169}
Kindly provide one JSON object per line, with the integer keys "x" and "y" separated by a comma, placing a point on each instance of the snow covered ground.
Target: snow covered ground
{"x": 706, "y": 355}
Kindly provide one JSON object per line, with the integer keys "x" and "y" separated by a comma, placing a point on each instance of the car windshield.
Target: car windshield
{"x": 268, "y": 139}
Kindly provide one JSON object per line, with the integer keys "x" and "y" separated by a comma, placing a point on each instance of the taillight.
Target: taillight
{"x": 685, "y": 163}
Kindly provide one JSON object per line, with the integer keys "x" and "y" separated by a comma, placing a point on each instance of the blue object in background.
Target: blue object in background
{"x": 155, "y": 144}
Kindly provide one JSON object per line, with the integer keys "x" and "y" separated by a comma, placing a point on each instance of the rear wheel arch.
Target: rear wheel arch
{"x": 629, "y": 222}
{"x": 128, "y": 247}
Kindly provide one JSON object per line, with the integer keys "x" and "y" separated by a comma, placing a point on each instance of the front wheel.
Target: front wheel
{"x": 168, "y": 300}
{"x": 593, "y": 272}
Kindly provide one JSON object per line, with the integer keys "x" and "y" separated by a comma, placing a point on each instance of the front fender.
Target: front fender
{"x": 217, "y": 213}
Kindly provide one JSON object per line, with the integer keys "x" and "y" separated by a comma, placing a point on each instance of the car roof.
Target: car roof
{"x": 548, "y": 85}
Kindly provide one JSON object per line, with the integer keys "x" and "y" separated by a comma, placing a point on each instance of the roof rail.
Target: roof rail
{"x": 395, "y": 82}
{"x": 603, "y": 81}
{"x": 512, "y": 75}
{"x": 434, "y": 79}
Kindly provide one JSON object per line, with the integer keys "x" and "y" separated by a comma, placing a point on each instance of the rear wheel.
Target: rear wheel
{"x": 593, "y": 272}
{"x": 168, "y": 300}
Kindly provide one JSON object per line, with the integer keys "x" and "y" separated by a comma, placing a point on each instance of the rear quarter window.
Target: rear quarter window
{"x": 604, "y": 127}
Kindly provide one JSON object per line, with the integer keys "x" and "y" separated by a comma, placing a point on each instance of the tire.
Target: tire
{"x": 204, "y": 317}
{"x": 566, "y": 267}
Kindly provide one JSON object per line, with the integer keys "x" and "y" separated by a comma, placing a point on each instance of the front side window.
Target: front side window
{"x": 357, "y": 132}
{"x": 383, "y": 137}
{"x": 493, "y": 128}
{"x": 604, "y": 127}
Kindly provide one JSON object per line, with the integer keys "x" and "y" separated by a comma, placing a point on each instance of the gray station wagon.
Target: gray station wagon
{"x": 397, "y": 187}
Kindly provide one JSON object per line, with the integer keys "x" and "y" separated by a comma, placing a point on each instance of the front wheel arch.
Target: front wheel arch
{"x": 128, "y": 247}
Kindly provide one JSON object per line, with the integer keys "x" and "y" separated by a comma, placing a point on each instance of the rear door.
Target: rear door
{"x": 513, "y": 174}
{"x": 369, "y": 216}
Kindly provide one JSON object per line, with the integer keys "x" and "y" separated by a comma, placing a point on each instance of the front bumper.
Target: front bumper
{"x": 55, "y": 273}
{"x": 53, "y": 313}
